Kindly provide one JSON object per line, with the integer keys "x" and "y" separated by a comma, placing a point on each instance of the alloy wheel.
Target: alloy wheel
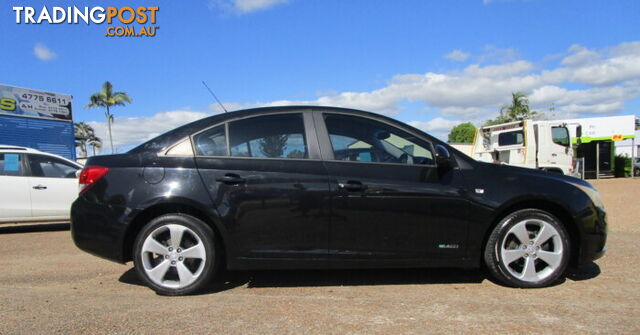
{"x": 532, "y": 250}
{"x": 173, "y": 256}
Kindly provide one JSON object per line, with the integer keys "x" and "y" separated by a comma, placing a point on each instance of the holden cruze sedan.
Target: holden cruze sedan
{"x": 321, "y": 187}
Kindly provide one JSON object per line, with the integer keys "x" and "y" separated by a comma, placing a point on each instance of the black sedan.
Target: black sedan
{"x": 321, "y": 187}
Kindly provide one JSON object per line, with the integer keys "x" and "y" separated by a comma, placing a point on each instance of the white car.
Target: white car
{"x": 35, "y": 185}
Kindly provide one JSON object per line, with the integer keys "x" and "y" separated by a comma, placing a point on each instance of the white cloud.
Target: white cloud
{"x": 580, "y": 56}
{"x": 438, "y": 127}
{"x": 495, "y": 54}
{"x": 586, "y": 82}
{"x": 135, "y": 130}
{"x": 246, "y": 6}
{"x": 457, "y": 55}
{"x": 437, "y": 124}
{"x": 466, "y": 113}
{"x": 43, "y": 53}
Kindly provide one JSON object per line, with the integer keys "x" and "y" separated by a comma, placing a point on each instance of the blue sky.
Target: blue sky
{"x": 431, "y": 63}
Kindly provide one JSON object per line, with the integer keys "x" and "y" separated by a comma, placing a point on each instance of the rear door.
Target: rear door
{"x": 389, "y": 200}
{"x": 54, "y": 186}
{"x": 267, "y": 181}
{"x": 15, "y": 197}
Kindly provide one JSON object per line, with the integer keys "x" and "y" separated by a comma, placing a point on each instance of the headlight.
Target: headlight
{"x": 592, "y": 193}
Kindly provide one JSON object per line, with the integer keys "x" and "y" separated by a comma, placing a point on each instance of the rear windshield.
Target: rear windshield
{"x": 511, "y": 138}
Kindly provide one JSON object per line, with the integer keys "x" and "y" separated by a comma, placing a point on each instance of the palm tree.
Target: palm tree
{"x": 107, "y": 98}
{"x": 83, "y": 133}
{"x": 96, "y": 143}
{"x": 518, "y": 109}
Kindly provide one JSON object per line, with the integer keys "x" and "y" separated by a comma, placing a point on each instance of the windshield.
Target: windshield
{"x": 560, "y": 135}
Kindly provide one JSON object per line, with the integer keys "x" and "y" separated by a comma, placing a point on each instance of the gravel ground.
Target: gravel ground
{"x": 49, "y": 286}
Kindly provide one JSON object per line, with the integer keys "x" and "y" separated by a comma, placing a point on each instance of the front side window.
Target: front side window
{"x": 511, "y": 138}
{"x": 560, "y": 135}
{"x": 211, "y": 142}
{"x": 270, "y": 136}
{"x": 363, "y": 140}
{"x": 51, "y": 167}
{"x": 11, "y": 164}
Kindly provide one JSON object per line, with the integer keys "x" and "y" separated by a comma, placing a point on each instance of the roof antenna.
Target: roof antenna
{"x": 214, "y": 96}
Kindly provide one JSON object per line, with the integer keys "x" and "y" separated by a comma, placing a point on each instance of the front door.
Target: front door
{"x": 15, "y": 197}
{"x": 389, "y": 200}
{"x": 269, "y": 186}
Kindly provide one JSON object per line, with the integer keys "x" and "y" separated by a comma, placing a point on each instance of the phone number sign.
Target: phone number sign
{"x": 33, "y": 103}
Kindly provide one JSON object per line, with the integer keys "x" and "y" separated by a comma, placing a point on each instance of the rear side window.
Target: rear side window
{"x": 270, "y": 136}
{"x": 211, "y": 142}
{"x": 511, "y": 138}
{"x": 560, "y": 135}
{"x": 11, "y": 165}
{"x": 51, "y": 167}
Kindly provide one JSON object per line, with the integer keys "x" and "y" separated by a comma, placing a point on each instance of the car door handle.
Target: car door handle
{"x": 40, "y": 187}
{"x": 232, "y": 179}
{"x": 352, "y": 186}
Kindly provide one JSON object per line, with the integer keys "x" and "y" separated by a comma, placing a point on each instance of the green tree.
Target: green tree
{"x": 518, "y": 109}
{"x": 95, "y": 142}
{"x": 83, "y": 133}
{"x": 462, "y": 133}
{"x": 273, "y": 146}
{"x": 107, "y": 98}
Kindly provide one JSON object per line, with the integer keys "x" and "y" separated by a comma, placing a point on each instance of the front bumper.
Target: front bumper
{"x": 594, "y": 241}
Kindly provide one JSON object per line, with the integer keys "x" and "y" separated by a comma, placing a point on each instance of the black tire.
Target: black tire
{"x": 504, "y": 240}
{"x": 195, "y": 229}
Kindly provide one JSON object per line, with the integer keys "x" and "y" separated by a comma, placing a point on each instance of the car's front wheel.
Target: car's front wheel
{"x": 528, "y": 248}
{"x": 175, "y": 254}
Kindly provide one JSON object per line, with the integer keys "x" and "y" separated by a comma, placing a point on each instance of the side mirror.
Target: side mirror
{"x": 579, "y": 135}
{"x": 443, "y": 157}
{"x": 383, "y": 135}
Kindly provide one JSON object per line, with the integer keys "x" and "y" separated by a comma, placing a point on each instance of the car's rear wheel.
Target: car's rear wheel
{"x": 528, "y": 248}
{"x": 175, "y": 254}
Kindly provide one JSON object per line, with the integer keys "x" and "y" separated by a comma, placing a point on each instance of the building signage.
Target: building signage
{"x": 33, "y": 103}
{"x": 608, "y": 128}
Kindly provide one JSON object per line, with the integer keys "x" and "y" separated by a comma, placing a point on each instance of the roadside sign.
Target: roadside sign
{"x": 26, "y": 102}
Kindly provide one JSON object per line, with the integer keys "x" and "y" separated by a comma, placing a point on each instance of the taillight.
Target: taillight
{"x": 90, "y": 175}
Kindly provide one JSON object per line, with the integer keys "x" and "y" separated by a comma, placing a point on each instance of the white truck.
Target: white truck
{"x": 544, "y": 145}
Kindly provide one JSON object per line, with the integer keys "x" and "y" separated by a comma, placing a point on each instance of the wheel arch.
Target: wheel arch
{"x": 554, "y": 208}
{"x": 154, "y": 211}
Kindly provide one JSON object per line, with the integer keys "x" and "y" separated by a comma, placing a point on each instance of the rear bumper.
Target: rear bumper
{"x": 98, "y": 229}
